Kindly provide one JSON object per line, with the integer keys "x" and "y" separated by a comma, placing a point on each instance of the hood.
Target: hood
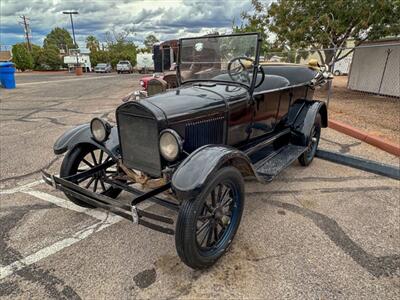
{"x": 194, "y": 100}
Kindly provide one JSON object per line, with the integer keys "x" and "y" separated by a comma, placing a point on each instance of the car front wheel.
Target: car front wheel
{"x": 83, "y": 158}
{"x": 207, "y": 224}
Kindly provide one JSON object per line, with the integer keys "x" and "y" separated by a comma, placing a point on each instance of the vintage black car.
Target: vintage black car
{"x": 190, "y": 148}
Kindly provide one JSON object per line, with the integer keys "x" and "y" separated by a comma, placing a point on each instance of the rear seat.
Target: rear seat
{"x": 272, "y": 82}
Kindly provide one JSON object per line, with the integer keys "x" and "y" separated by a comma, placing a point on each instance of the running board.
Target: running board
{"x": 274, "y": 163}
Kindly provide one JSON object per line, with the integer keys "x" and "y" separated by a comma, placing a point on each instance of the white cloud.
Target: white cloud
{"x": 165, "y": 18}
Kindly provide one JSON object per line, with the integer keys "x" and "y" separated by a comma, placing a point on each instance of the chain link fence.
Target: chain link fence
{"x": 365, "y": 90}
{"x": 373, "y": 68}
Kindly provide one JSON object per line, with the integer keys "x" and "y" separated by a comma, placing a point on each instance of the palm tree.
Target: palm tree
{"x": 92, "y": 43}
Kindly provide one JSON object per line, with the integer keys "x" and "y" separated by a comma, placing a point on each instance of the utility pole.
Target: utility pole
{"x": 70, "y": 13}
{"x": 27, "y": 30}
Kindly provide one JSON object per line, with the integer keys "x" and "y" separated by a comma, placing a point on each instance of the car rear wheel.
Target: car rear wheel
{"x": 307, "y": 157}
{"x": 83, "y": 158}
{"x": 207, "y": 224}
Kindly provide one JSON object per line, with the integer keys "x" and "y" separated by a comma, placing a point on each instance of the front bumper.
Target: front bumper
{"x": 127, "y": 211}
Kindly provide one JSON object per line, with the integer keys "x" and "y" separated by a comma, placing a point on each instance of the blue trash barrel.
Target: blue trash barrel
{"x": 7, "y": 75}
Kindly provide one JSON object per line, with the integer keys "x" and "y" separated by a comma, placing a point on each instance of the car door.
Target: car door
{"x": 265, "y": 112}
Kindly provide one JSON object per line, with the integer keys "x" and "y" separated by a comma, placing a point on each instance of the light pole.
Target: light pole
{"x": 70, "y": 13}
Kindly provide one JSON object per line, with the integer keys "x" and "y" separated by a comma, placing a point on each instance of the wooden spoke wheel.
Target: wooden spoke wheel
{"x": 83, "y": 158}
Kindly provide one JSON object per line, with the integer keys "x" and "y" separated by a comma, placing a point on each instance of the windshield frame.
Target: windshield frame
{"x": 255, "y": 67}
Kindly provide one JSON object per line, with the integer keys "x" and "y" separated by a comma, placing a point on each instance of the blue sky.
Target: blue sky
{"x": 164, "y": 18}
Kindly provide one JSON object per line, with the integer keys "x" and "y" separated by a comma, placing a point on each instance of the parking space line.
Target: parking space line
{"x": 56, "y": 247}
{"x": 94, "y": 213}
{"x": 21, "y": 188}
{"x": 63, "y": 80}
{"x": 106, "y": 220}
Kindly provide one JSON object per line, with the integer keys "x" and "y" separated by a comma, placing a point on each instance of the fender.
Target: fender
{"x": 199, "y": 167}
{"x": 82, "y": 135}
{"x": 301, "y": 119}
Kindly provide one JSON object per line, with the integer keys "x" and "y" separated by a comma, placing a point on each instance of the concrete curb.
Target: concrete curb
{"x": 360, "y": 163}
{"x": 387, "y": 146}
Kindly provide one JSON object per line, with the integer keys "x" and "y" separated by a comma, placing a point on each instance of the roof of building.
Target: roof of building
{"x": 389, "y": 40}
{"x": 5, "y": 55}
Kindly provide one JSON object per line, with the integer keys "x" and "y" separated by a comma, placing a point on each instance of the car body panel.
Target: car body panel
{"x": 193, "y": 173}
{"x": 82, "y": 135}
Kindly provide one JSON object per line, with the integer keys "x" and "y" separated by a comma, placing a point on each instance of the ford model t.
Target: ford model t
{"x": 190, "y": 148}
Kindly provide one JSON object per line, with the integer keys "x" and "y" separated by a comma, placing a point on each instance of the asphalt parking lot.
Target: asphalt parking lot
{"x": 326, "y": 231}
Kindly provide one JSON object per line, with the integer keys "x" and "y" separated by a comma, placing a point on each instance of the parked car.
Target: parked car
{"x": 342, "y": 67}
{"x": 124, "y": 66}
{"x": 189, "y": 149}
{"x": 103, "y": 68}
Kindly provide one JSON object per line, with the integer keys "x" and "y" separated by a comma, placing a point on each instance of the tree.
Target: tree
{"x": 92, "y": 43}
{"x": 99, "y": 57}
{"x": 327, "y": 24}
{"x": 121, "y": 46}
{"x": 52, "y": 57}
{"x": 60, "y": 38}
{"x": 149, "y": 41}
{"x": 21, "y": 57}
{"x": 39, "y": 57}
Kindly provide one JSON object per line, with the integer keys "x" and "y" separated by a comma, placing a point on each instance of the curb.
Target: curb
{"x": 378, "y": 142}
{"x": 360, "y": 163}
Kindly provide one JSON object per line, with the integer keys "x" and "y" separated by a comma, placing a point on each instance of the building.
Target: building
{"x": 5, "y": 56}
{"x": 376, "y": 68}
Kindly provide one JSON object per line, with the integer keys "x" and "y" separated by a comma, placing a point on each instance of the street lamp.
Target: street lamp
{"x": 70, "y": 13}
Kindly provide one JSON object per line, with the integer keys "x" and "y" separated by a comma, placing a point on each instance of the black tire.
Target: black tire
{"x": 307, "y": 157}
{"x": 188, "y": 239}
{"x": 76, "y": 158}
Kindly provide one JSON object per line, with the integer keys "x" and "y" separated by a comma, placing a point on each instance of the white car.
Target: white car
{"x": 342, "y": 67}
{"x": 124, "y": 66}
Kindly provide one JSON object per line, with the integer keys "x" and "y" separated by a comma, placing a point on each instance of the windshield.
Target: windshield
{"x": 124, "y": 62}
{"x": 227, "y": 58}
{"x": 101, "y": 65}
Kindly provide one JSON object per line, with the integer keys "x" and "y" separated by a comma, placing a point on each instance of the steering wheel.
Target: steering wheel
{"x": 241, "y": 73}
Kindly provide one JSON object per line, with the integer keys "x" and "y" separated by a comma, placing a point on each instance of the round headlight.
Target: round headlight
{"x": 170, "y": 144}
{"x": 100, "y": 129}
{"x": 141, "y": 82}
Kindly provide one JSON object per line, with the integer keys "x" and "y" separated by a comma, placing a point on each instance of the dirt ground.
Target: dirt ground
{"x": 377, "y": 115}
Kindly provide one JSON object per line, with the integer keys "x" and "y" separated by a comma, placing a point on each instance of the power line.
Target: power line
{"x": 27, "y": 31}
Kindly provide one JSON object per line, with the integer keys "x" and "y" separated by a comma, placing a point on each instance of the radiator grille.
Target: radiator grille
{"x": 139, "y": 143}
{"x": 204, "y": 132}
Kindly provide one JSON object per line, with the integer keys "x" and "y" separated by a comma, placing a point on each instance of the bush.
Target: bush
{"x": 21, "y": 57}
